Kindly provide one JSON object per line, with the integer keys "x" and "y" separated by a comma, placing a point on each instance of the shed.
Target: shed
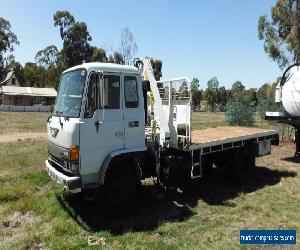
{"x": 27, "y": 96}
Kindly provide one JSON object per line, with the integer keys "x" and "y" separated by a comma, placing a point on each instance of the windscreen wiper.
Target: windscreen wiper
{"x": 59, "y": 113}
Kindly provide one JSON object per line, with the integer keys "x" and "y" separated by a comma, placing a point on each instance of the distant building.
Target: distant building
{"x": 27, "y": 96}
{"x": 16, "y": 98}
{"x": 10, "y": 80}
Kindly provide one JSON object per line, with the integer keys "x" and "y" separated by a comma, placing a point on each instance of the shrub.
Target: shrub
{"x": 268, "y": 104}
{"x": 239, "y": 112}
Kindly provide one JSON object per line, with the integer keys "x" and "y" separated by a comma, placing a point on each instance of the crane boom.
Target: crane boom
{"x": 158, "y": 107}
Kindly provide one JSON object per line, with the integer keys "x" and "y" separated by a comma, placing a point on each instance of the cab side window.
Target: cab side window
{"x": 111, "y": 90}
{"x": 131, "y": 92}
{"x": 92, "y": 96}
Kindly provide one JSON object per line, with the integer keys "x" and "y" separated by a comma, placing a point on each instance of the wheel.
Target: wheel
{"x": 119, "y": 190}
{"x": 166, "y": 172}
{"x": 243, "y": 164}
{"x": 207, "y": 166}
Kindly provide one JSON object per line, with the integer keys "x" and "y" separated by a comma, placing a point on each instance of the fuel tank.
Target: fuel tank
{"x": 290, "y": 95}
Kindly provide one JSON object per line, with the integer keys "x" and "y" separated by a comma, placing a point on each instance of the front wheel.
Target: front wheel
{"x": 119, "y": 190}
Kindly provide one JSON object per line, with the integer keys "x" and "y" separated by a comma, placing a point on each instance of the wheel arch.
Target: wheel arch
{"x": 122, "y": 156}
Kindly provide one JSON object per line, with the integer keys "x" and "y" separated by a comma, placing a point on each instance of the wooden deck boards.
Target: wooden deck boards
{"x": 224, "y": 133}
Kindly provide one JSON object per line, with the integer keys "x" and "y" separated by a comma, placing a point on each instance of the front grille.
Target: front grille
{"x": 60, "y": 169}
{"x": 57, "y": 160}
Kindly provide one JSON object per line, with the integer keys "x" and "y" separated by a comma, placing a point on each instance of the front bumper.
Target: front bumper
{"x": 70, "y": 183}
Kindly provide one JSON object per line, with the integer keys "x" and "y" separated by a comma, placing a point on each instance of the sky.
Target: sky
{"x": 196, "y": 38}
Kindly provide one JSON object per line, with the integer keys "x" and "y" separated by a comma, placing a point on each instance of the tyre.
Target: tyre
{"x": 119, "y": 191}
{"x": 243, "y": 164}
{"x": 207, "y": 166}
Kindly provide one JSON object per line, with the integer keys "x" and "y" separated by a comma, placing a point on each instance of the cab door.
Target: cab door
{"x": 134, "y": 117}
{"x": 102, "y": 128}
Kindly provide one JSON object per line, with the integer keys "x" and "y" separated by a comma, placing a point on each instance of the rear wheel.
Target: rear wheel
{"x": 207, "y": 165}
{"x": 243, "y": 164}
{"x": 119, "y": 190}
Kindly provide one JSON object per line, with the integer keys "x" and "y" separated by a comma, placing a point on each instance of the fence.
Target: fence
{"x": 35, "y": 108}
{"x": 286, "y": 131}
{"x": 26, "y": 103}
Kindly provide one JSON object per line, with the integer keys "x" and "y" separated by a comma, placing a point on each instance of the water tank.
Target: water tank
{"x": 290, "y": 95}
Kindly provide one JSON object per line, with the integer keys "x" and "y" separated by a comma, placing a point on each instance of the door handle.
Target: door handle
{"x": 97, "y": 124}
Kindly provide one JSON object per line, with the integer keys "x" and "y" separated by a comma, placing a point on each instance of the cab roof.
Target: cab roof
{"x": 106, "y": 67}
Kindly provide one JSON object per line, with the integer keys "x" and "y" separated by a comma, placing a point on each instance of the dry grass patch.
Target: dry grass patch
{"x": 13, "y": 122}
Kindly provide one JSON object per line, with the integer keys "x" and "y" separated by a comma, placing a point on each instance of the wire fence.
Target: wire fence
{"x": 26, "y": 103}
{"x": 286, "y": 132}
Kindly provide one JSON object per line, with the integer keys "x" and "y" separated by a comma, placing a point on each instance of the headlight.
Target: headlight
{"x": 74, "y": 153}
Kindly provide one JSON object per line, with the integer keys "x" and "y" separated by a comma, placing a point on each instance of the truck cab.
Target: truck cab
{"x": 98, "y": 116}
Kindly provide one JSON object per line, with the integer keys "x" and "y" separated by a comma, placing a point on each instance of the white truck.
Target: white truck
{"x": 114, "y": 125}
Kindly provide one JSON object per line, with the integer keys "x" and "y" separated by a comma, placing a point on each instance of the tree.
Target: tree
{"x": 49, "y": 66}
{"x": 183, "y": 89}
{"x": 34, "y": 75}
{"x": 157, "y": 67}
{"x": 64, "y": 20}
{"x": 281, "y": 35}
{"x": 237, "y": 89}
{"x": 195, "y": 84}
{"x": 211, "y": 93}
{"x": 222, "y": 98}
{"x": 251, "y": 95}
{"x": 111, "y": 59}
{"x": 239, "y": 112}
{"x": 52, "y": 76}
{"x": 264, "y": 91}
{"x": 76, "y": 38}
{"x": 76, "y": 47}
{"x": 268, "y": 104}
{"x": 47, "y": 56}
{"x": 128, "y": 47}
{"x": 99, "y": 55}
{"x": 118, "y": 58}
{"x": 7, "y": 41}
{"x": 196, "y": 93}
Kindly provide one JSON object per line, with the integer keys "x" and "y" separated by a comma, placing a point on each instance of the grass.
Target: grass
{"x": 203, "y": 120}
{"x": 12, "y": 122}
{"x": 208, "y": 214}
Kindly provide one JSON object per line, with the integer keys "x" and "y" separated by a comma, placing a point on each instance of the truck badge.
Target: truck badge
{"x": 54, "y": 132}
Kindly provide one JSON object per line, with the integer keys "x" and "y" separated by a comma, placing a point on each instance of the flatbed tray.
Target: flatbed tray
{"x": 219, "y": 136}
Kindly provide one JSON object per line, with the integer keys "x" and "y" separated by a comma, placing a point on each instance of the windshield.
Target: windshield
{"x": 68, "y": 101}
